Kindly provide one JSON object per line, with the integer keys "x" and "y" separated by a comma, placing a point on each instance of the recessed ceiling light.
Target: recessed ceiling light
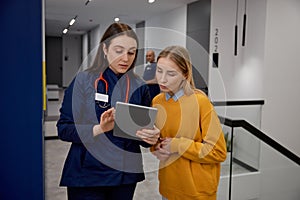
{"x": 117, "y": 19}
{"x": 151, "y": 1}
{"x": 65, "y": 31}
{"x": 72, "y": 22}
{"x": 88, "y": 1}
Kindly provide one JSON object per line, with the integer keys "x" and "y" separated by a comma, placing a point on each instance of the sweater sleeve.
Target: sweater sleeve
{"x": 211, "y": 147}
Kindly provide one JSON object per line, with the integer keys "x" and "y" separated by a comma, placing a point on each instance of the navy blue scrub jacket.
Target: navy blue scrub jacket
{"x": 104, "y": 160}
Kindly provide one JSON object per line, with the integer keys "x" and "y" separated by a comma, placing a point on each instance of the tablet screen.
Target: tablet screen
{"x": 131, "y": 117}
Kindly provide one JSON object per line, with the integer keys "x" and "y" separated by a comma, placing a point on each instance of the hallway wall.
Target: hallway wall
{"x": 54, "y": 60}
{"x": 167, "y": 29}
{"x": 238, "y": 77}
{"x": 266, "y": 68}
{"x": 72, "y": 52}
{"x": 280, "y": 114}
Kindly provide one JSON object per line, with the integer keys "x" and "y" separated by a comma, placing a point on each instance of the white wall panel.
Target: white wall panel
{"x": 238, "y": 77}
{"x": 165, "y": 30}
{"x": 281, "y": 177}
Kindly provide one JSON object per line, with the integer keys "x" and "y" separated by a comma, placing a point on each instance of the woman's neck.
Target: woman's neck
{"x": 171, "y": 93}
{"x": 113, "y": 70}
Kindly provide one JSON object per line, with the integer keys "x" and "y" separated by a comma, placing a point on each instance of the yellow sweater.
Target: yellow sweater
{"x": 198, "y": 148}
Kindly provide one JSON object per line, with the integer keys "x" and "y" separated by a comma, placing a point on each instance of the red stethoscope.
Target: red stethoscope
{"x": 101, "y": 78}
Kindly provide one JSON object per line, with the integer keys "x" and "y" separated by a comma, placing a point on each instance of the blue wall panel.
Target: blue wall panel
{"x": 21, "y": 139}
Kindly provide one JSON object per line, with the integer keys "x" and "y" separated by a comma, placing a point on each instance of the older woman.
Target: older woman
{"x": 100, "y": 165}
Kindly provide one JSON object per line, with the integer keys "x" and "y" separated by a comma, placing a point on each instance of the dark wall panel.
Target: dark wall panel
{"x": 54, "y": 60}
{"x": 21, "y": 143}
{"x": 198, "y": 31}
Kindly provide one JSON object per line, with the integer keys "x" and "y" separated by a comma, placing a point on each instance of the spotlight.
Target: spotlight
{"x": 65, "y": 31}
{"x": 72, "y": 21}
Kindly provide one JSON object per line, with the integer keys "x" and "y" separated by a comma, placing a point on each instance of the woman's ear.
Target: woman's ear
{"x": 104, "y": 49}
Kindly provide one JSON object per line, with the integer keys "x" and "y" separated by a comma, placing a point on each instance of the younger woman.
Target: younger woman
{"x": 192, "y": 144}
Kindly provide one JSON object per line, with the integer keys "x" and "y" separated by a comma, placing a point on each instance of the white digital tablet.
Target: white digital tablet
{"x": 131, "y": 117}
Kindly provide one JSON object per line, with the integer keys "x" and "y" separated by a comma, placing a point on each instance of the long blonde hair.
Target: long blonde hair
{"x": 180, "y": 56}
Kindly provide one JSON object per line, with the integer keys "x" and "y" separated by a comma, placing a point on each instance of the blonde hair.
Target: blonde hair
{"x": 180, "y": 56}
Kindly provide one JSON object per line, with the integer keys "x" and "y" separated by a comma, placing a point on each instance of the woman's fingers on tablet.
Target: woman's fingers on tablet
{"x": 149, "y": 135}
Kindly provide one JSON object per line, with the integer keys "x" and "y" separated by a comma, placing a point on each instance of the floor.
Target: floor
{"x": 55, "y": 154}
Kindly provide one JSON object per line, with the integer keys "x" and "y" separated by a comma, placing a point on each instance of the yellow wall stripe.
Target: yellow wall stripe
{"x": 44, "y": 87}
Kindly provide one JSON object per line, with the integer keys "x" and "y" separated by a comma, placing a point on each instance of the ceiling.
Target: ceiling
{"x": 58, "y": 13}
